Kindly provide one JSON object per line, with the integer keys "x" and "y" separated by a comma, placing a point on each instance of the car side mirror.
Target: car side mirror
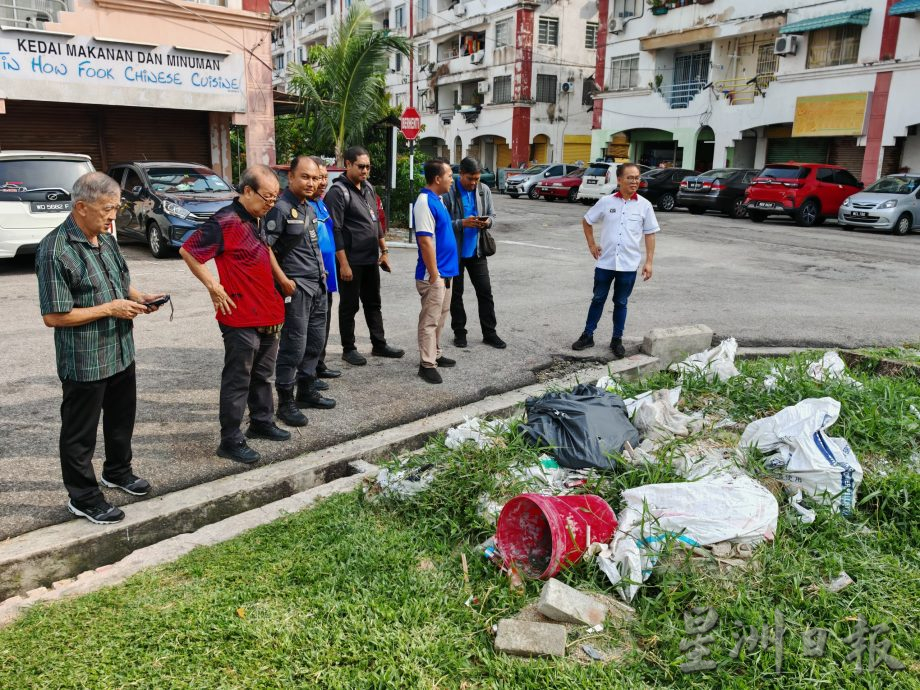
{"x": 861, "y": 184}
{"x": 137, "y": 189}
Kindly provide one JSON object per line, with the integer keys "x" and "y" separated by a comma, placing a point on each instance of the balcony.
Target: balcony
{"x": 679, "y": 95}
{"x": 743, "y": 91}
{"x": 31, "y": 14}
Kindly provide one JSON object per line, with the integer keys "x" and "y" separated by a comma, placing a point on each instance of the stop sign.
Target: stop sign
{"x": 410, "y": 122}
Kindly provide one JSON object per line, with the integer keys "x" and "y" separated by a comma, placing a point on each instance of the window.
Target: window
{"x": 546, "y": 88}
{"x": 422, "y": 53}
{"x": 767, "y": 62}
{"x": 132, "y": 180}
{"x": 825, "y": 175}
{"x": 623, "y": 9}
{"x": 624, "y": 73}
{"x": 421, "y": 10}
{"x": 501, "y": 90}
{"x": 399, "y": 17}
{"x": 503, "y": 33}
{"x": 548, "y": 32}
{"x": 838, "y": 45}
{"x": 398, "y": 66}
{"x": 591, "y": 35}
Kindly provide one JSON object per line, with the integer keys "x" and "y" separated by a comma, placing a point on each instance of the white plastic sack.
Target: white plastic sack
{"x": 830, "y": 366}
{"x": 715, "y": 363}
{"x": 819, "y": 466}
{"x": 474, "y": 429}
{"x": 404, "y": 482}
{"x": 712, "y": 510}
{"x": 657, "y": 418}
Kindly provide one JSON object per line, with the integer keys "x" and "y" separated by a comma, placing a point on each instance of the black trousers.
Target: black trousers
{"x": 321, "y": 364}
{"x": 249, "y": 361}
{"x": 302, "y": 337}
{"x": 478, "y": 268}
{"x": 364, "y": 287}
{"x": 116, "y": 399}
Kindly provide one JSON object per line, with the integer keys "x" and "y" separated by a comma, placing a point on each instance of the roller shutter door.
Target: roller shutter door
{"x": 64, "y": 127}
{"x": 502, "y": 153}
{"x": 799, "y": 149}
{"x": 576, "y": 147}
{"x": 540, "y": 151}
{"x": 845, "y": 153}
{"x": 891, "y": 161}
{"x": 136, "y": 134}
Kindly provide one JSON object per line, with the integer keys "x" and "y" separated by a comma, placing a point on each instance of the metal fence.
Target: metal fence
{"x": 31, "y": 14}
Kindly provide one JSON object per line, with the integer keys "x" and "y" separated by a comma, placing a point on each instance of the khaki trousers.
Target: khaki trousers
{"x": 435, "y": 308}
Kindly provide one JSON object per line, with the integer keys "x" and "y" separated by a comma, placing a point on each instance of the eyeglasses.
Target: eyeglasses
{"x": 363, "y": 166}
{"x": 270, "y": 200}
{"x": 633, "y": 179}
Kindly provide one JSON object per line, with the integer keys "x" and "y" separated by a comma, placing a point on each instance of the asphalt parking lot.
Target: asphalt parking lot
{"x": 765, "y": 284}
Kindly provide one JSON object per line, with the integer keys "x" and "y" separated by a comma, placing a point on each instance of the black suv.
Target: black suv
{"x": 660, "y": 185}
{"x": 722, "y": 189}
{"x": 162, "y": 203}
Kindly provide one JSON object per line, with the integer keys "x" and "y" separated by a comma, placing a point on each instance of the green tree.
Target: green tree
{"x": 342, "y": 87}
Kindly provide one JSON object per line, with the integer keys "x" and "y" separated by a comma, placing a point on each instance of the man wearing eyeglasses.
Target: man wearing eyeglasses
{"x": 248, "y": 309}
{"x": 627, "y": 221}
{"x": 86, "y": 294}
{"x": 361, "y": 252}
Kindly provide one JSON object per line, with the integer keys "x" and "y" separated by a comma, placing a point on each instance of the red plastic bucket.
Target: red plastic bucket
{"x": 544, "y": 534}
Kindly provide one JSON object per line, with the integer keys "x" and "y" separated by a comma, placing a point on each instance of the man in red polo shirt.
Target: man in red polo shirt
{"x": 248, "y": 308}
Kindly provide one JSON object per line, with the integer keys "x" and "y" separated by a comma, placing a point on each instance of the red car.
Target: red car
{"x": 562, "y": 187}
{"x": 808, "y": 192}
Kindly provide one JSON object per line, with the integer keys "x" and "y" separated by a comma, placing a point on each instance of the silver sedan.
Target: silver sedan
{"x": 892, "y": 203}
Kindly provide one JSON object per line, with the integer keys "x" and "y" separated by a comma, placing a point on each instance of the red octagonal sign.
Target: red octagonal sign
{"x": 410, "y": 123}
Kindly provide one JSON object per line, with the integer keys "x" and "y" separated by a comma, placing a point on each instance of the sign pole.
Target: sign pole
{"x": 411, "y": 187}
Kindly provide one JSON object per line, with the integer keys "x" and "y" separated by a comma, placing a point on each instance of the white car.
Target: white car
{"x": 35, "y": 191}
{"x": 525, "y": 182}
{"x": 599, "y": 180}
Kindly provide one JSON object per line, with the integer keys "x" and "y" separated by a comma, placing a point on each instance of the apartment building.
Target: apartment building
{"x": 507, "y": 82}
{"x": 711, "y": 83}
{"x": 134, "y": 79}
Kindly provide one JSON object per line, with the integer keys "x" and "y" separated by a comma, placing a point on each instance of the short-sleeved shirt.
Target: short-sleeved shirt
{"x": 623, "y": 226}
{"x": 470, "y": 235}
{"x": 232, "y": 238}
{"x": 432, "y": 219}
{"x": 73, "y": 274}
{"x": 326, "y": 243}
{"x": 290, "y": 228}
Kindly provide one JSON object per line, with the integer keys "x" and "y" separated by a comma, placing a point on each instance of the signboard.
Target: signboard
{"x": 83, "y": 69}
{"x": 410, "y": 123}
{"x": 837, "y": 115}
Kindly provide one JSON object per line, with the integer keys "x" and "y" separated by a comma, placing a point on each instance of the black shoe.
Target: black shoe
{"x": 326, "y": 373}
{"x": 320, "y": 385}
{"x": 102, "y": 514}
{"x": 354, "y": 358}
{"x": 238, "y": 452}
{"x": 459, "y": 340}
{"x": 287, "y": 410}
{"x": 430, "y": 374}
{"x": 446, "y": 362}
{"x": 388, "y": 351}
{"x": 270, "y": 431}
{"x": 495, "y": 341}
{"x": 584, "y": 341}
{"x": 619, "y": 352}
{"x": 133, "y": 485}
{"x": 308, "y": 396}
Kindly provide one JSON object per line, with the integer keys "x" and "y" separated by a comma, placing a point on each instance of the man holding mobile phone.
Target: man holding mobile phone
{"x": 469, "y": 203}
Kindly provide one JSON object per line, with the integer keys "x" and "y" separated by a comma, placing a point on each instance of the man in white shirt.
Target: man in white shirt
{"x": 627, "y": 220}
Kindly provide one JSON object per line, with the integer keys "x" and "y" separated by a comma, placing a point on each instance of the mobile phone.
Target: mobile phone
{"x": 157, "y": 302}
{"x": 484, "y": 219}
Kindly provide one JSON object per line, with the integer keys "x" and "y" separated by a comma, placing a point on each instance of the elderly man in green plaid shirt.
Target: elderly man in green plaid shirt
{"x": 85, "y": 294}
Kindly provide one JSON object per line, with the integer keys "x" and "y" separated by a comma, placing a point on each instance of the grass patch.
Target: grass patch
{"x": 354, "y": 594}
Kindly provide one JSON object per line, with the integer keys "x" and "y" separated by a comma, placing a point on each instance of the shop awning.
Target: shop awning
{"x": 854, "y": 17}
{"x": 905, "y": 7}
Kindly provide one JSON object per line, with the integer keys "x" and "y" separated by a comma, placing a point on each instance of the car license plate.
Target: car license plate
{"x": 50, "y": 206}
{"x": 591, "y": 181}
{"x": 765, "y": 204}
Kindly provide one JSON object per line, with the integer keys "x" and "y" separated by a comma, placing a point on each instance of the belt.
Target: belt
{"x": 269, "y": 330}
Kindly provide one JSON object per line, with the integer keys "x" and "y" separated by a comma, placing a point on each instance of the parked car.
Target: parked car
{"x": 282, "y": 172}
{"x": 162, "y": 203}
{"x": 487, "y": 177}
{"x": 35, "y": 189}
{"x": 660, "y": 186}
{"x": 600, "y": 179}
{"x": 808, "y": 192}
{"x": 722, "y": 189}
{"x": 892, "y": 203}
{"x": 562, "y": 187}
{"x": 525, "y": 182}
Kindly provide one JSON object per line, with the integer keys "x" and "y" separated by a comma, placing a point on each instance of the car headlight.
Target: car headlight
{"x": 174, "y": 209}
{"x": 846, "y": 202}
{"x": 891, "y": 203}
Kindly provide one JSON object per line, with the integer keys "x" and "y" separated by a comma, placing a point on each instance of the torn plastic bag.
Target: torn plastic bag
{"x": 831, "y": 366}
{"x": 582, "y": 427}
{"x": 812, "y": 462}
{"x": 716, "y": 363}
{"x": 724, "y": 507}
{"x": 479, "y": 431}
{"x": 657, "y": 418}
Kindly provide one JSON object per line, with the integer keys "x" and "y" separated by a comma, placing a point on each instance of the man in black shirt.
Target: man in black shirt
{"x": 361, "y": 252}
{"x": 291, "y": 230}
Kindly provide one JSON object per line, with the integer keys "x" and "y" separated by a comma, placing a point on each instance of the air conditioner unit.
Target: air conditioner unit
{"x": 477, "y": 57}
{"x": 786, "y": 45}
{"x": 459, "y": 9}
{"x": 567, "y": 87}
{"x": 615, "y": 26}
{"x": 482, "y": 87}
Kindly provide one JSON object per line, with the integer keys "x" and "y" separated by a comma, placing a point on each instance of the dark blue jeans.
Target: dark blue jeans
{"x": 623, "y": 282}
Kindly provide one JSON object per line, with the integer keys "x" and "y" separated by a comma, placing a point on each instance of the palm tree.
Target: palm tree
{"x": 342, "y": 89}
